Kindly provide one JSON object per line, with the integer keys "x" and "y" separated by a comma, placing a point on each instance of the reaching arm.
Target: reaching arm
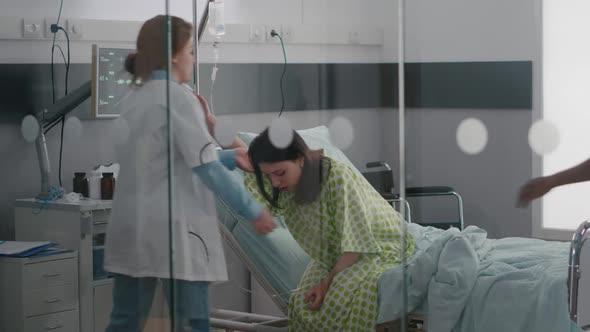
{"x": 236, "y": 157}
{"x": 578, "y": 173}
{"x": 228, "y": 158}
{"x": 540, "y": 186}
{"x": 219, "y": 180}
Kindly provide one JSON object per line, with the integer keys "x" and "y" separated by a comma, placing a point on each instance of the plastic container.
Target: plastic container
{"x": 80, "y": 184}
{"x": 107, "y": 186}
{"x": 98, "y": 271}
{"x": 94, "y": 178}
{"x": 217, "y": 18}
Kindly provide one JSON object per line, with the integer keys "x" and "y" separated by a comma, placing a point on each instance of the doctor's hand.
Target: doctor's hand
{"x": 316, "y": 295}
{"x": 243, "y": 160}
{"x": 209, "y": 118}
{"x": 264, "y": 223}
{"x": 534, "y": 189}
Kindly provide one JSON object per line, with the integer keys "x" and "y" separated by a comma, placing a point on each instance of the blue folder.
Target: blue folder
{"x": 35, "y": 248}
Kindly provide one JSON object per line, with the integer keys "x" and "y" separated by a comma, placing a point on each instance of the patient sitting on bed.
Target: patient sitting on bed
{"x": 350, "y": 232}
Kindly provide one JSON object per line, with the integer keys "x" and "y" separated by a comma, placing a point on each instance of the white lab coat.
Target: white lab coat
{"x": 137, "y": 241}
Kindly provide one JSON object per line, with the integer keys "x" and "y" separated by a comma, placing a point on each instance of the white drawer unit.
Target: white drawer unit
{"x": 48, "y": 300}
{"x": 39, "y": 293}
{"x": 66, "y": 321}
{"x": 60, "y": 272}
{"x": 78, "y": 226}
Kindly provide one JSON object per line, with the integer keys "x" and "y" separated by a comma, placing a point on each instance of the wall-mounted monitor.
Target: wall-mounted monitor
{"x": 110, "y": 81}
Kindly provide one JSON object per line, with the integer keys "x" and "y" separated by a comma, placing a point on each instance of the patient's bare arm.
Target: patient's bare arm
{"x": 315, "y": 296}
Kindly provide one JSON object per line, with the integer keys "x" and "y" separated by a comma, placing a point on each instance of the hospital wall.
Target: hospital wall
{"x": 437, "y": 31}
{"x": 450, "y": 31}
{"x": 94, "y": 147}
{"x": 472, "y": 31}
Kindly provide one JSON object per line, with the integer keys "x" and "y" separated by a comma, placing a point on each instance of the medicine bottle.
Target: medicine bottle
{"x": 80, "y": 183}
{"x": 107, "y": 186}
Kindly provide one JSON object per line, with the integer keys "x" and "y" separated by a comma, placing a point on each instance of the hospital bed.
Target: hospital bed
{"x": 277, "y": 263}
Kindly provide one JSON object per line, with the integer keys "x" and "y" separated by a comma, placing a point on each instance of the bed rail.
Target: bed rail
{"x": 574, "y": 271}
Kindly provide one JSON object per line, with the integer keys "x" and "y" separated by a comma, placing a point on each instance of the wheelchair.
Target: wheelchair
{"x": 380, "y": 176}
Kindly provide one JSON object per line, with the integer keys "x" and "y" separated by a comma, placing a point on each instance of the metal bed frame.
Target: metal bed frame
{"x": 247, "y": 322}
{"x": 575, "y": 272}
{"x": 417, "y": 323}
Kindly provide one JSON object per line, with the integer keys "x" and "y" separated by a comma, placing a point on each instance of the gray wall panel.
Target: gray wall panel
{"x": 255, "y": 88}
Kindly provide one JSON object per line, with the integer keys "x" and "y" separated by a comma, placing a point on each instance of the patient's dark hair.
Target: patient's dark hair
{"x": 314, "y": 170}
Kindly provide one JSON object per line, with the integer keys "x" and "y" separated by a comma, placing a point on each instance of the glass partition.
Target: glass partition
{"x": 329, "y": 74}
{"x": 482, "y": 141}
{"x": 205, "y": 165}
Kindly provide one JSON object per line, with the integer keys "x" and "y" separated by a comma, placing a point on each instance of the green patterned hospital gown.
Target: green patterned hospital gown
{"x": 349, "y": 216}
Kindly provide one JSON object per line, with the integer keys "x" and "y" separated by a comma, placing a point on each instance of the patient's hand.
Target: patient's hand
{"x": 315, "y": 296}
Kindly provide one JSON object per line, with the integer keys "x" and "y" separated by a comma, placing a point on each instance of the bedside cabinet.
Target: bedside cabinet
{"x": 80, "y": 227}
{"x": 39, "y": 293}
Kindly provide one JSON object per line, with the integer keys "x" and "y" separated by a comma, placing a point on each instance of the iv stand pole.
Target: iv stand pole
{"x": 200, "y": 29}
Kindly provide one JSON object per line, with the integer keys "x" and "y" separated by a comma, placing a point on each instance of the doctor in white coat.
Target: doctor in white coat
{"x": 162, "y": 230}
